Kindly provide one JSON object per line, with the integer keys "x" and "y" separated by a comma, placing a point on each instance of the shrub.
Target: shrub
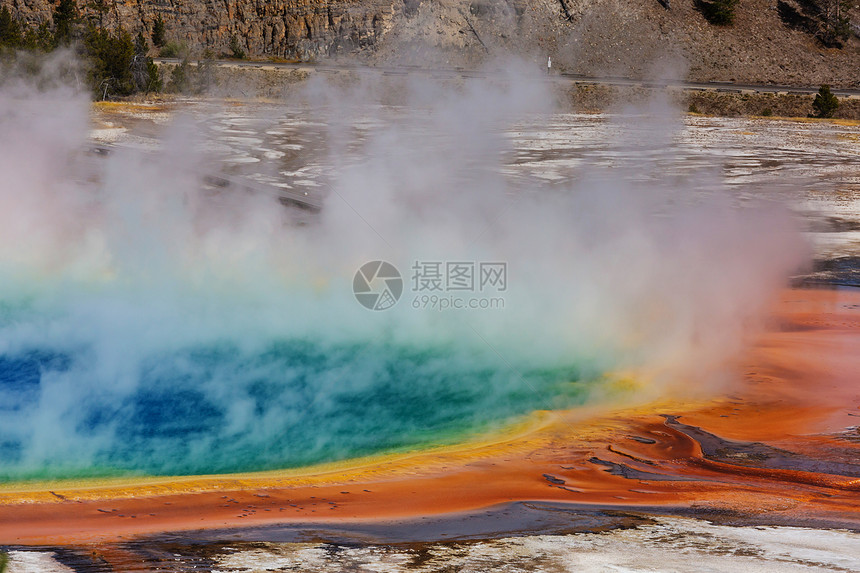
{"x": 825, "y": 103}
{"x": 718, "y": 12}
{"x": 172, "y": 50}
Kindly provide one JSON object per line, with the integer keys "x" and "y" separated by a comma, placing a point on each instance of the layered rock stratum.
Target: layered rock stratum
{"x": 768, "y": 43}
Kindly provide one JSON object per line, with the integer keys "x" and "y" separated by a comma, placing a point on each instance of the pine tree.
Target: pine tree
{"x": 236, "y": 48}
{"x": 141, "y": 47}
{"x": 180, "y": 77}
{"x": 38, "y": 39}
{"x": 112, "y": 59}
{"x": 144, "y": 71}
{"x": 65, "y": 18}
{"x": 153, "y": 83}
{"x": 100, "y": 7}
{"x": 825, "y": 103}
{"x": 158, "y": 32}
{"x": 835, "y": 26}
{"x": 10, "y": 31}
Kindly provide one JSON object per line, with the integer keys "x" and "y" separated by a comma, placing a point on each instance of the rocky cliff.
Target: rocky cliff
{"x": 277, "y": 28}
{"x": 770, "y": 40}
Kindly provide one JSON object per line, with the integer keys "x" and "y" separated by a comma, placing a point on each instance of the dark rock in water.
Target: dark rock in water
{"x": 839, "y": 271}
{"x": 626, "y": 471}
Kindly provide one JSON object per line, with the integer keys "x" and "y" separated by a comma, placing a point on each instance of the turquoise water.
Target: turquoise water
{"x": 231, "y": 407}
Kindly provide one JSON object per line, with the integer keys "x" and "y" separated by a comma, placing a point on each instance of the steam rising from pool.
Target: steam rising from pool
{"x": 149, "y": 326}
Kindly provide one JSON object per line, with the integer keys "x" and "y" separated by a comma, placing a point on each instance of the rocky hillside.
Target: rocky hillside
{"x": 770, "y": 40}
{"x": 301, "y": 29}
{"x": 631, "y": 38}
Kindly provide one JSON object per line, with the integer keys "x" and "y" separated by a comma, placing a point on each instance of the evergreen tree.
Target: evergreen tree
{"x": 10, "y": 31}
{"x": 835, "y": 27}
{"x": 100, "y": 7}
{"x": 38, "y": 39}
{"x": 205, "y": 72}
{"x": 65, "y": 18}
{"x": 141, "y": 47}
{"x": 111, "y": 58}
{"x": 825, "y": 103}
{"x": 180, "y": 77}
{"x": 144, "y": 71}
{"x": 153, "y": 78}
{"x": 158, "y": 32}
{"x": 236, "y": 48}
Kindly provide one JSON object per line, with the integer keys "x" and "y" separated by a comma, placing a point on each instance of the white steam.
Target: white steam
{"x": 625, "y": 269}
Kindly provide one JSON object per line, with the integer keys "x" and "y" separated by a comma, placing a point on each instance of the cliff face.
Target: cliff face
{"x": 634, "y": 38}
{"x": 281, "y": 28}
{"x": 285, "y": 28}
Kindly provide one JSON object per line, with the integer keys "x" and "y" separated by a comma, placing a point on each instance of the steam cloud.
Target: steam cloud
{"x": 147, "y": 326}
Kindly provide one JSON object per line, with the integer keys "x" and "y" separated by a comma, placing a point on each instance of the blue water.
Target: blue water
{"x": 220, "y": 408}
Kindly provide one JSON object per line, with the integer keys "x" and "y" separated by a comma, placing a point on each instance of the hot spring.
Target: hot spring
{"x": 149, "y": 325}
